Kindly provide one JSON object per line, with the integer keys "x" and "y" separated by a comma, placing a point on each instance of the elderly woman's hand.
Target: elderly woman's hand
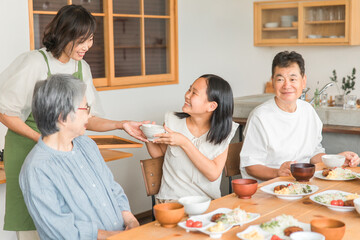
{"x": 129, "y": 220}
{"x": 170, "y": 138}
{"x": 352, "y": 159}
{"x": 284, "y": 170}
{"x": 133, "y": 129}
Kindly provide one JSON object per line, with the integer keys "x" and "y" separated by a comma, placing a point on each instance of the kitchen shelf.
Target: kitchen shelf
{"x": 318, "y": 18}
{"x": 281, "y": 29}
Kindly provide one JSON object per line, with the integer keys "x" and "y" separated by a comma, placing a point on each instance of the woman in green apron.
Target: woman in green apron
{"x": 67, "y": 38}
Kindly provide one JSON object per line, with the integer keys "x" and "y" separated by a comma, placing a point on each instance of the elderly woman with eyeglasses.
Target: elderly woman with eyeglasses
{"x": 68, "y": 189}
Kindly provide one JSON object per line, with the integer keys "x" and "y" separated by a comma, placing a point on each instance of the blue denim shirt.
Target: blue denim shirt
{"x": 70, "y": 195}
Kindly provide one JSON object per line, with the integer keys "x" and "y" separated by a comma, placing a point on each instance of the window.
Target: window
{"x": 135, "y": 41}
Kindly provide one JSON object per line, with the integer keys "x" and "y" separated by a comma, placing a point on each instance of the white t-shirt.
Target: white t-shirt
{"x": 273, "y": 136}
{"x": 180, "y": 177}
{"x": 17, "y": 82}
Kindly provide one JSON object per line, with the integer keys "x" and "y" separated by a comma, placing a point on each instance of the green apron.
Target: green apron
{"x": 17, "y": 147}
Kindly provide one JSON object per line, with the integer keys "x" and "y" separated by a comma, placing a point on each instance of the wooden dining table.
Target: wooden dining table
{"x": 268, "y": 206}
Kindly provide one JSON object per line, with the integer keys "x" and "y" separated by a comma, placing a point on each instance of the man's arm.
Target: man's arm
{"x": 266, "y": 173}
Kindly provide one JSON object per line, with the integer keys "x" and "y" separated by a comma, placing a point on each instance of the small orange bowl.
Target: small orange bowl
{"x": 332, "y": 229}
{"x": 302, "y": 172}
{"x": 244, "y": 188}
{"x": 169, "y": 214}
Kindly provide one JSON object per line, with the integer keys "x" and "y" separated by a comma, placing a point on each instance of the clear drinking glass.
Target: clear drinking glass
{"x": 350, "y": 102}
{"x": 323, "y": 99}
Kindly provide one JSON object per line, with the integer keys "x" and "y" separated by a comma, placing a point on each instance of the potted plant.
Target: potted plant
{"x": 347, "y": 86}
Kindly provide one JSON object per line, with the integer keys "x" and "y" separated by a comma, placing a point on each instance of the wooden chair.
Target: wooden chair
{"x": 152, "y": 173}
{"x": 232, "y": 164}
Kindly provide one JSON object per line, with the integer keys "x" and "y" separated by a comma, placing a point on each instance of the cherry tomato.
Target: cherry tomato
{"x": 189, "y": 223}
{"x": 340, "y": 202}
{"x": 275, "y": 237}
{"x": 197, "y": 224}
{"x": 334, "y": 202}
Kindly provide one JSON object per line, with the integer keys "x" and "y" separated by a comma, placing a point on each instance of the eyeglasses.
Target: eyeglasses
{"x": 88, "y": 108}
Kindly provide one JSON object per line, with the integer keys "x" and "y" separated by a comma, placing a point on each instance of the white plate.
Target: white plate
{"x": 332, "y": 207}
{"x": 206, "y": 223}
{"x": 270, "y": 190}
{"x": 215, "y": 234}
{"x": 318, "y": 174}
{"x": 267, "y": 235}
{"x": 206, "y": 220}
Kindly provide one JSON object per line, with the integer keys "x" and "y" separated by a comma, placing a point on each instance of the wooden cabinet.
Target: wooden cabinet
{"x": 135, "y": 43}
{"x": 331, "y": 22}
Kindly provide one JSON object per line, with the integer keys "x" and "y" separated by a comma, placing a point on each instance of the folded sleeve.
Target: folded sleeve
{"x": 254, "y": 150}
{"x": 44, "y": 204}
{"x": 17, "y": 83}
{"x": 91, "y": 93}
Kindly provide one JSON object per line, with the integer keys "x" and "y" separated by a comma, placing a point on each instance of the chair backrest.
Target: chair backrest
{"x": 152, "y": 173}
{"x": 232, "y": 164}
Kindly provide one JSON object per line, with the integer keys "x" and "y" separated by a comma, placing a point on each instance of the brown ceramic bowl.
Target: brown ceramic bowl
{"x": 302, "y": 172}
{"x": 332, "y": 229}
{"x": 244, "y": 188}
{"x": 169, "y": 214}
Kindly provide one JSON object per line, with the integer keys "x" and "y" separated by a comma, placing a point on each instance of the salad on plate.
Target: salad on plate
{"x": 336, "y": 200}
{"x": 289, "y": 190}
{"x": 219, "y": 221}
{"x": 337, "y": 173}
{"x": 277, "y": 228}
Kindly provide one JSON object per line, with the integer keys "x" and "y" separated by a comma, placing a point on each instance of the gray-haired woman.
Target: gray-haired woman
{"x": 68, "y": 189}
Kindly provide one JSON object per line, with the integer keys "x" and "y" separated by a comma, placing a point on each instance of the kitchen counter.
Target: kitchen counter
{"x": 335, "y": 119}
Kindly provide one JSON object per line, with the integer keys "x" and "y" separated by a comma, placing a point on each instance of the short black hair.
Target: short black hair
{"x": 220, "y": 91}
{"x": 72, "y": 22}
{"x": 285, "y": 59}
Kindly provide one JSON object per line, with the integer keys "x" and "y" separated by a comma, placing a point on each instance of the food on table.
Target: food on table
{"x": 337, "y": 199}
{"x": 253, "y": 235}
{"x": 279, "y": 187}
{"x": 236, "y": 216}
{"x": 289, "y": 230}
{"x": 216, "y": 216}
{"x": 275, "y": 237}
{"x": 349, "y": 203}
{"x": 219, "y": 227}
{"x": 293, "y": 188}
{"x": 325, "y": 172}
{"x": 194, "y": 224}
{"x": 278, "y": 224}
{"x": 338, "y": 173}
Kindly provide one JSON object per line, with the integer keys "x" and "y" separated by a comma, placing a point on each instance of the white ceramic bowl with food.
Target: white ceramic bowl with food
{"x": 333, "y": 160}
{"x": 151, "y": 129}
{"x": 195, "y": 205}
{"x": 357, "y": 204}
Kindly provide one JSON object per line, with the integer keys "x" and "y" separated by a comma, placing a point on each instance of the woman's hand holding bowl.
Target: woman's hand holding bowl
{"x": 171, "y": 138}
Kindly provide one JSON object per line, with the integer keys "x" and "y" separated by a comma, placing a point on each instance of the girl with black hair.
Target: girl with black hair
{"x": 196, "y": 141}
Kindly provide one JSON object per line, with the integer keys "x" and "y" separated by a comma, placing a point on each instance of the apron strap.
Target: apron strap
{"x": 80, "y": 71}
{"x": 47, "y": 63}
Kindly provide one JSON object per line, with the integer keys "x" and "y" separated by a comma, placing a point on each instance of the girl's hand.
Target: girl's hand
{"x": 170, "y": 138}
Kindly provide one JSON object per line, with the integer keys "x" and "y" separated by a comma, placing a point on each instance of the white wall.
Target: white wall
{"x": 215, "y": 36}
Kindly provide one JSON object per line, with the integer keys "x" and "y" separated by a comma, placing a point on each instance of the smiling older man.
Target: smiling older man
{"x": 284, "y": 129}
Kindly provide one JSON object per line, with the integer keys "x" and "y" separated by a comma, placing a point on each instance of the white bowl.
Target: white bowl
{"x": 195, "y": 205}
{"x": 271, "y": 24}
{"x": 151, "y": 129}
{"x": 357, "y": 204}
{"x": 333, "y": 160}
{"x": 307, "y": 236}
